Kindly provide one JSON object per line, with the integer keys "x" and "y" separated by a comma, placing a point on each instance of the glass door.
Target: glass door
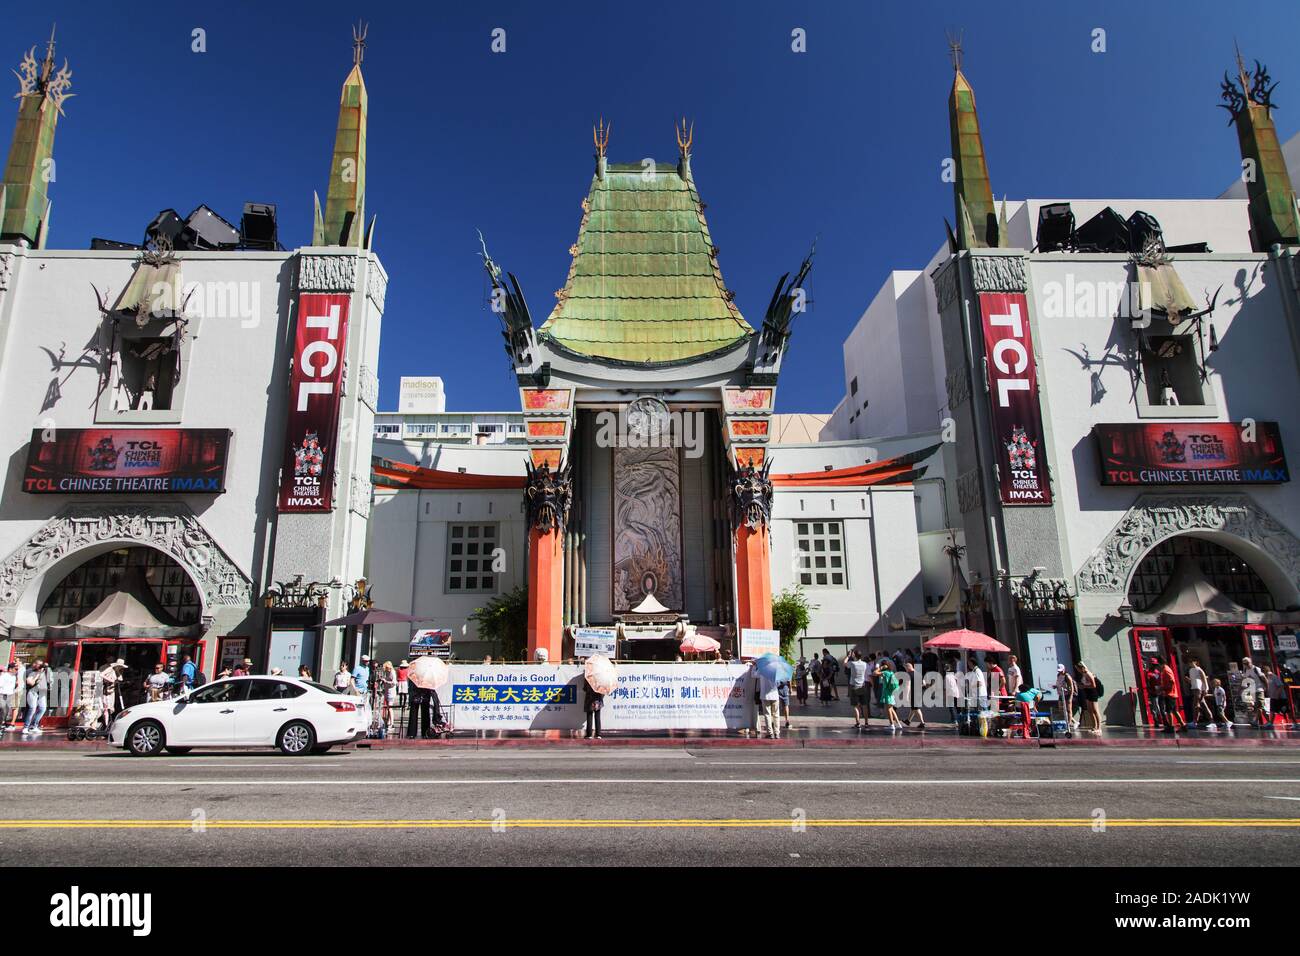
{"x": 1148, "y": 644}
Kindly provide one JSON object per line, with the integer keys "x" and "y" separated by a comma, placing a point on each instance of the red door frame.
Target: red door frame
{"x": 1166, "y": 638}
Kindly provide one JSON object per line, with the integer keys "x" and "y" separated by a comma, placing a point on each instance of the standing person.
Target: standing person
{"x": 856, "y": 668}
{"x": 1276, "y": 695}
{"x": 801, "y": 682}
{"x": 38, "y": 697}
{"x": 417, "y": 723}
{"x": 155, "y": 685}
{"x": 910, "y": 668}
{"x": 1152, "y": 678}
{"x": 361, "y": 675}
{"x": 825, "y": 687}
{"x": 771, "y": 700}
{"x": 403, "y": 670}
{"x": 951, "y": 691}
{"x": 110, "y": 680}
{"x": 1015, "y": 676}
{"x": 1220, "y": 707}
{"x": 304, "y": 672}
{"x": 783, "y": 699}
{"x": 388, "y": 682}
{"x": 187, "y": 671}
{"x": 834, "y": 666}
{"x": 242, "y": 669}
{"x": 8, "y": 690}
{"x": 1198, "y": 684}
{"x": 888, "y": 685}
{"x": 815, "y": 672}
{"x": 1090, "y": 690}
{"x": 343, "y": 682}
{"x": 592, "y": 703}
{"x": 976, "y": 681}
{"x": 1254, "y": 689}
{"x": 1066, "y": 691}
{"x": 998, "y": 685}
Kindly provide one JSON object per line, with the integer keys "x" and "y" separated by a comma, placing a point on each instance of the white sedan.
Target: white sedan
{"x": 298, "y": 716}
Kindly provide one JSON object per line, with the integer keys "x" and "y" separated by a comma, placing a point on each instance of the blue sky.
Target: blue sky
{"x": 843, "y": 142}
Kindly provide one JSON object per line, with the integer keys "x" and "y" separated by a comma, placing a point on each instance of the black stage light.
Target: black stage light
{"x": 1141, "y": 227}
{"x": 167, "y": 226}
{"x": 1105, "y": 232}
{"x": 258, "y": 228}
{"x": 112, "y": 244}
{"x": 204, "y": 229}
{"x": 1190, "y": 247}
{"x": 1055, "y": 227}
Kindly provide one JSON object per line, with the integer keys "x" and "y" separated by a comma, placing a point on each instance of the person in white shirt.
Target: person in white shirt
{"x": 1015, "y": 677}
{"x": 976, "y": 686}
{"x": 1198, "y": 684}
{"x": 857, "y": 671}
{"x": 8, "y": 687}
{"x": 770, "y": 697}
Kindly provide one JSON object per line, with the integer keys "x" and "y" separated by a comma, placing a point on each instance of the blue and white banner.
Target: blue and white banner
{"x": 648, "y": 697}
{"x": 594, "y": 640}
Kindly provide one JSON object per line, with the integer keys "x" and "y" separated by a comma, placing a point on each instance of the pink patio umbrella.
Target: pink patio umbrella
{"x": 699, "y": 644}
{"x": 601, "y": 674}
{"x": 966, "y": 640}
{"x": 429, "y": 673}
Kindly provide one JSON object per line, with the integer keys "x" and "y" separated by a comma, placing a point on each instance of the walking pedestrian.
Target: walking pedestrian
{"x": 38, "y": 697}
{"x": 783, "y": 699}
{"x": 8, "y": 690}
{"x": 909, "y": 667}
{"x": 187, "y": 671}
{"x": 1254, "y": 689}
{"x": 1169, "y": 697}
{"x": 1276, "y": 695}
{"x": 951, "y": 691}
{"x": 856, "y": 668}
{"x": 1151, "y": 676}
{"x": 1090, "y": 690}
{"x": 770, "y": 697}
{"x": 1220, "y": 707}
{"x": 592, "y": 703}
{"x": 1066, "y": 691}
{"x": 888, "y": 685}
{"x": 1197, "y": 684}
{"x": 834, "y": 671}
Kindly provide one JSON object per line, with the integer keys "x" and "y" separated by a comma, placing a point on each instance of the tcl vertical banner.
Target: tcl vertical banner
{"x": 311, "y": 438}
{"x": 1013, "y": 393}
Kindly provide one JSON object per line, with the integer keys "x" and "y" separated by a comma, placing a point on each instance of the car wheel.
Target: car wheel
{"x": 296, "y": 739}
{"x": 179, "y": 751}
{"x": 146, "y": 739}
{"x": 321, "y": 748}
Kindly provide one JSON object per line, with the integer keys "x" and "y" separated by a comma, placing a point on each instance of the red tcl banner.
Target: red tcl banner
{"x": 1191, "y": 453}
{"x": 315, "y": 385}
{"x": 1013, "y": 393}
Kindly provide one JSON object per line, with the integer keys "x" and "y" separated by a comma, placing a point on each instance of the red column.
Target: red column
{"x": 753, "y": 579}
{"x": 545, "y": 593}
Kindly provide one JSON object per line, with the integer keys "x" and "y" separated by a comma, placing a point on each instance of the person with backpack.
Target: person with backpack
{"x": 1091, "y": 688}
{"x": 1254, "y": 690}
{"x": 833, "y": 665}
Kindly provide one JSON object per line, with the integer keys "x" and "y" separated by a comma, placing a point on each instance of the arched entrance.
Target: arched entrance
{"x": 131, "y": 603}
{"x": 1201, "y": 602}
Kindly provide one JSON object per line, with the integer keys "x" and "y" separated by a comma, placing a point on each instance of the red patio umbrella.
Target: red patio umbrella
{"x": 966, "y": 640}
{"x": 699, "y": 644}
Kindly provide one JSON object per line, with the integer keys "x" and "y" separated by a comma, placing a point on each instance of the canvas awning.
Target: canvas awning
{"x": 1190, "y": 599}
{"x": 156, "y": 288}
{"x": 1160, "y": 288}
{"x": 120, "y": 614}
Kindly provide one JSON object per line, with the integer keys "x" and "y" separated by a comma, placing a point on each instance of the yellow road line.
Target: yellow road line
{"x": 778, "y": 823}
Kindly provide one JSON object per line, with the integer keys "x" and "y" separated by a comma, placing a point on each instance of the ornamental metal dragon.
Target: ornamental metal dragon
{"x": 750, "y": 502}
{"x": 548, "y": 496}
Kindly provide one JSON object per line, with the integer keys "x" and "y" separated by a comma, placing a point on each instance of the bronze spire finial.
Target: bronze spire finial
{"x": 954, "y": 50}
{"x": 48, "y": 66}
{"x": 600, "y": 136}
{"x": 684, "y": 136}
{"x": 359, "y": 42}
{"x": 1241, "y": 68}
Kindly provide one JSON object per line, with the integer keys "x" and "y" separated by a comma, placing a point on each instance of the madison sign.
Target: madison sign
{"x": 1191, "y": 453}
{"x": 315, "y": 389}
{"x": 76, "y": 461}
{"x": 1013, "y": 393}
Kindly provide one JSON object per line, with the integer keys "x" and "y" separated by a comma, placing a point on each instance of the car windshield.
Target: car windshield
{"x": 328, "y": 690}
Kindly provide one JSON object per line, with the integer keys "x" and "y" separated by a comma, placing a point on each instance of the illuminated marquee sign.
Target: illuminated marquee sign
{"x": 315, "y": 386}
{"x": 79, "y": 461}
{"x": 1013, "y": 394}
{"x": 1191, "y": 453}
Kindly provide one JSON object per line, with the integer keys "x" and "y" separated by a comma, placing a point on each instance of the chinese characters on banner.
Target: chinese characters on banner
{"x": 315, "y": 386}
{"x": 1013, "y": 395}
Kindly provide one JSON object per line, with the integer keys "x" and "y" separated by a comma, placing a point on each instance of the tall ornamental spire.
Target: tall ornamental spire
{"x": 1273, "y": 215}
{"x": 24, "y": 199}
{"x": 977, "y": 222}
{"x": 345, "y": 203}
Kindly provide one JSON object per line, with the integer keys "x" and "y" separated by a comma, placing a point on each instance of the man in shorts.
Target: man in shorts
{"x": 857, "y": 671}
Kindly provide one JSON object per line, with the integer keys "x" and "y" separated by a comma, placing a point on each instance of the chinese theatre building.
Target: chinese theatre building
{"x": 179, "y": 482}
{"x": 658, "y": 499}
{"x": 1122, "y": 379}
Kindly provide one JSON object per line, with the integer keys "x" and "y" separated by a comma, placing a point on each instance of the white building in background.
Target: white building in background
{"x": 422, "y": 394}
{"x": 189, "y": 463}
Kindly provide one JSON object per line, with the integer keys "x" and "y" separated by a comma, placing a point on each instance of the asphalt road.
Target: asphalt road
{"x": 721, "y": 806}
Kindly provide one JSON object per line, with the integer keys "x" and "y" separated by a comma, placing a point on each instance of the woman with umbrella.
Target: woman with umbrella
{"x": 599, "y": 679}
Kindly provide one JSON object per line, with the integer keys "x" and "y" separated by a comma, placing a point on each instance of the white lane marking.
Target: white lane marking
{"x": 625, "y": 782}
{"x": 1266, "y": 797}
{"x": 1232, "y": 763}
{"x": 201, "y": 764}
{"x": 776, "y": 763}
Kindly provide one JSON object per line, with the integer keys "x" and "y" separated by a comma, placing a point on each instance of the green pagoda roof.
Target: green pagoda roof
{"x": 644, "y": 285}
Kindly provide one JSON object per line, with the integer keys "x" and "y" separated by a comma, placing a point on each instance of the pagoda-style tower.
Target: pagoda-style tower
{"x": 345, "y": 203}
{"x": 24, "y": 199}
{"x": 1273, "y": 215}
{"x": 977, "y": 221}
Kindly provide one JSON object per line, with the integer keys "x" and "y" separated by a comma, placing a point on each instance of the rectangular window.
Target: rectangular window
{"x": 471, "y": 550}
{"x": 820, "y": 547}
